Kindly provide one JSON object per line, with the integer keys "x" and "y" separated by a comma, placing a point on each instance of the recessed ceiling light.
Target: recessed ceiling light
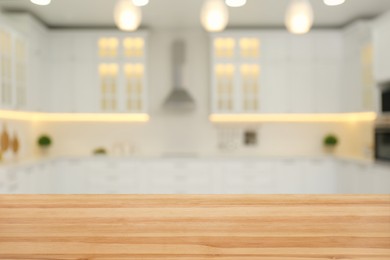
{"x": 334, "y": 2}
{"x": 235, "y": 3}
{"x": 140, "y": 2}
{"x": 41, "y": 2}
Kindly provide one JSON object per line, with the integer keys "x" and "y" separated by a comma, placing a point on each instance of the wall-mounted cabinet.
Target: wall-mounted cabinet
{"x": 235, "y": 73}
{"x": 98, "y": 72}
{"x": 13, "y": 69}
{"x": 359, "y": 91}
{"x": 262, "y": 71}
{"x": 276, "y": 72}
{"x": 122, "y": 74}
{"x": 325, "y": 71}
{"x": 71, "y": 71}
{"x": 381, "y": 35}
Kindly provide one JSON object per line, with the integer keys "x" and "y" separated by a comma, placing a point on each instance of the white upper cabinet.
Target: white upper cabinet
{"x": 358, "y": 91}
{"x": 122, "y": 73}
{"x": 381, "y": 48}
{"x": 28, "y": 52}
{"x": 6, "y": 68}
{"x": 71, "y": 71}
{"x": 284, "y": 73}
{"x": 13, "y": 68}
{"x": 98, "y": 72}
{"x": 235, "y": 73}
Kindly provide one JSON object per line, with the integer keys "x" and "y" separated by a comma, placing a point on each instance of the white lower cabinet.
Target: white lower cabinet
{"x": 247, "y": 177}
{"x": 12, "y": 181}
{"x": 3, "y": 182}
{"x": 178, "y": 177}
{"x": 186, "y": 176}
{"x": 69, "y": 177}
{"x": 381, "y": 179}
{"x": 320, "y": 176}
{"x": 357, "y": 178}
{"x": 111, "y": 177}
{"x": 347, "y": 180}
{"x": 290, "y": 177}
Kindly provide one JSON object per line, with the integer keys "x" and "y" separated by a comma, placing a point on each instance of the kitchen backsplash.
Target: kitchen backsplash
{"x": 205, "y": 139}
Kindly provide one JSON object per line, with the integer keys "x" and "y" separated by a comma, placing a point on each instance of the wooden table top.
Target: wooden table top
{"x": 222, "y": 227}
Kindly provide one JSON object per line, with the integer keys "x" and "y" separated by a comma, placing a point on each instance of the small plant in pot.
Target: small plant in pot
{"x": 44, "y": 142}
{"x": 330, "y": 143}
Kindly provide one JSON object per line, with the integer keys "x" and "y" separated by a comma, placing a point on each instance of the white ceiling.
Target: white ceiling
{"x": 185, "y": 13}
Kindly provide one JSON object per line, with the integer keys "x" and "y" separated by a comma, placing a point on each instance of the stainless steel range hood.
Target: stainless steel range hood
{"x": 179, "y": 99}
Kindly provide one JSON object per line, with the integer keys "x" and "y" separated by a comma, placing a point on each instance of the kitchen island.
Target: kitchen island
{"x": 190, "y": 227}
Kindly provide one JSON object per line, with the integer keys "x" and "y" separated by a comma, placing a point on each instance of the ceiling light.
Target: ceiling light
{"x": 41, "y": 2}
{"x": 127, "y": 16}
{"x": 235, "y": 3}
{"x": 299, "y": 17}
{"x": 214, "y": 15}
{"x": 334, "y": 2}
{"x": 140, "y": 2}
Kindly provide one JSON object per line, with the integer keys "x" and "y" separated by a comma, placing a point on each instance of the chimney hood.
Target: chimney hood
{"x": 179, "y": 99}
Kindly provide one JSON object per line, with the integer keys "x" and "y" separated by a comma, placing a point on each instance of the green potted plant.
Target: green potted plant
{"x": 44, "y": 142}
{"x": 330, "y": 143}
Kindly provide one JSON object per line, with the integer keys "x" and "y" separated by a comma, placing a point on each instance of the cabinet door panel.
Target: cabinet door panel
{"x": 3, "y": 181}
{"x": 381, "y": 48}
{"x": 326, "y": 85}
{"x": 328, "y": 46}
{"x": 301, "y": 48}
{"x": 275, "y": 47}
{"x": 62, "y": 87}
{"x": 351, "y": 89}
{"x": 274, "y": 92}
{"x": 300, "y": 88}
{"x": 320, "y": 177}
{"x": 61, "y": 46}
{"x": 85, "y": 47}
{"x": 290, "y": 177}
{"x": 86, "y": 87}
{"x": 381, "y": 175}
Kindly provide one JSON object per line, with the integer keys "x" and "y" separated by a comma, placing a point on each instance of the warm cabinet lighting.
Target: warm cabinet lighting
{"x": 127, "y": 16}
{"x": 334, "y": 2}
{"x": 73, "y": 117}
{"x": 249, "y": 47}
{"x": 299, "y": 17}
{"x": 108, "y": 47}
{"x": 293, "y": 118}
{"x": 224, "y": 75}
{"x": 133, "y": 47}
{"x": 235, "y": 3}
{"x": 140, "y": 2}
{"x": 214, "y": 15}
{"x": 224, "y": 47}
{"x": 41, "y": 2}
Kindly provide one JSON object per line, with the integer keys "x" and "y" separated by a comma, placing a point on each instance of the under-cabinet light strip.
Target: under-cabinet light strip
{"x": 72, "y": 117}
{"x": 299, "y": 118}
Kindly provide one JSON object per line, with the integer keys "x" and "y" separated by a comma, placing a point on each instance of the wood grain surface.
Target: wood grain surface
{"x": 223, "y": 227}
